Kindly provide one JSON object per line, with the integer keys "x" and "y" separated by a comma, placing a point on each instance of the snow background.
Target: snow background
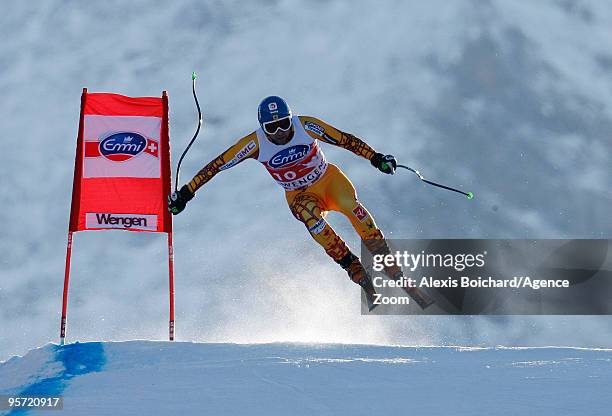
{"x": 511, "y": 100}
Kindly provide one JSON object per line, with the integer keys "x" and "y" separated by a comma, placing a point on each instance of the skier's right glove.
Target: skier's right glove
{"x": 178, "y": 200}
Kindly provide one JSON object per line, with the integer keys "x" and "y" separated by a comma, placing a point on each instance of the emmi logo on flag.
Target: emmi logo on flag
{"x": 122, "y": 146}
{"x": 95, "y": 220}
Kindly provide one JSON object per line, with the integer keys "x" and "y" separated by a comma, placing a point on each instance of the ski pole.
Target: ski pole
{"x": 468, "y": 194}
{"x": 194, "y": 76}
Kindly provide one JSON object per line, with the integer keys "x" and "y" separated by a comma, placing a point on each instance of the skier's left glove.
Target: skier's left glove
{"x": 384, "y": 163}
{"x": 178, "y": 200}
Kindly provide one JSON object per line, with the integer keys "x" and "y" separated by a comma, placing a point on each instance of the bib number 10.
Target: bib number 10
{"x": 286, "y": 176}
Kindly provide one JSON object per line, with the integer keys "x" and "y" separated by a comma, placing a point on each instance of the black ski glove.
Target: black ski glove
{"x": 178, "y": 200}
{"x": 384, "y": 163}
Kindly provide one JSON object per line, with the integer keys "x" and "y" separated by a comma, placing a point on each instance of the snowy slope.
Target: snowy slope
{"x": 140, "y": 377}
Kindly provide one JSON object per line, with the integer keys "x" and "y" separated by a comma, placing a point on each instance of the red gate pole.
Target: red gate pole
{"x": 167, "y": 185}
{"x": 171, "y": 284}
{"x": 66, "y": 280}
{"x": 74, "y": 212}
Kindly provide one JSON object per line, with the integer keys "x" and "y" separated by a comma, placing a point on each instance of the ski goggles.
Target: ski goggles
{"x": 282, "y": 124}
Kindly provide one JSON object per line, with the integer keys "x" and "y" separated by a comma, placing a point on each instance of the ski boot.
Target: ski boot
{"x": 394, "y": 272}
{"x": 358, "y": 274}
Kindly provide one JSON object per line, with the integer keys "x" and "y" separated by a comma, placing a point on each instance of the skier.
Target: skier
{"x": 288, "y": 147}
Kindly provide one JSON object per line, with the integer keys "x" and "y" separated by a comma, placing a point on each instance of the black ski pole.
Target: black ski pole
{"x": 468, "y": 194}
{"x": 194, "y": 76}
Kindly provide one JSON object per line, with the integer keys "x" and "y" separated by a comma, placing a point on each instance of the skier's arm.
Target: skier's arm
{"x": 245, "y": 148}
{"x": 320, "y": 130}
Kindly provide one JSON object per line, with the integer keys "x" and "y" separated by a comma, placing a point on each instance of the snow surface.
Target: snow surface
{"x": 147, "y": 377}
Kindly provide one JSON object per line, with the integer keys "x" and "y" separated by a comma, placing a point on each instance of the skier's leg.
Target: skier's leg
{"x": 310, "y": 209}
{"x": 342, "y": 197}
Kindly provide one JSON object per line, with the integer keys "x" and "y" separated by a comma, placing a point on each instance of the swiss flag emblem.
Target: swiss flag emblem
{"x": 152, "y": 148}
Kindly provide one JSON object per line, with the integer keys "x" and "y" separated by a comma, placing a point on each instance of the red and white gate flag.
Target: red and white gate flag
{"x": 122, "y": 164}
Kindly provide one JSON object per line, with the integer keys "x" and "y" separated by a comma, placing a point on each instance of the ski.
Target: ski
{"x": 369, "y": 292}
{"x": 420, "y": 297}
{"x": 370, "y": 300}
